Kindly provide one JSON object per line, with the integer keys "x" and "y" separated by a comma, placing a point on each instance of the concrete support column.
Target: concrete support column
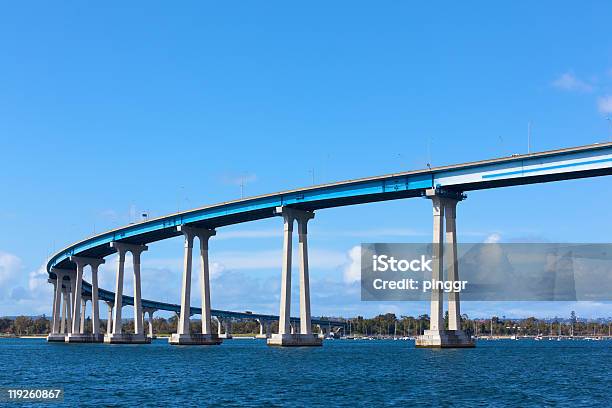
{"x": 70, "y": 309}
{"x": 139, "y": 336}
{"x": 68, "y": 300}
{"x": 138, "y": 316}
{"x": 109, "y": 319}
{"x": 204, "y": 236}
{"x": 454, "y": 311}
{"x": 58, "y": 324}
{"x": 62, "y": 328}
{"x": 224, "y": 331}
{"x": 444, "y": 212}
{"x": 219, "y": 326}
{"x": 57, "y": 301}
{"x": 76, "y": 299}
{"x": 183, "y": 335}
{"x": 80, "y": 302}
{"x": 151, "y": 323}
{"x": 183, "y": 323}
{"x": 83, "y": 310}
{"x": 71, "y": 301}
{"x": 287, "y": 335}
{"x": 95, "y": 304}
{"x": 305, "y": 321}
{"x": 54, "y": 311}
{"x": 264, "y": 329}
{"x": 65, "y": 322}
{"x": 437, "y": 315}
{"x": 116, "y": 325}
{"x": 285, "y": 297}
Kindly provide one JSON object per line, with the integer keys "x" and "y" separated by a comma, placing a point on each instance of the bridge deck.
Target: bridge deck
{"x": 563, "y": 164}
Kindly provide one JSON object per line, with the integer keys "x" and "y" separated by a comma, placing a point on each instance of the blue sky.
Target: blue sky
{"x": 110, "y": 110}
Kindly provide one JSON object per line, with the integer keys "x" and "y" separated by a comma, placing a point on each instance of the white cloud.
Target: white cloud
{"x": 216, "y": 269}
{"x": 569, "y": 82}
{"x": 34, "y": 298}
{"x": 605, "y": 104}
{"x": 352, "y": 271}
{"x": 10, "y": 265}
{"x": 492, "y": 238}
{"x": 37, "y": 282}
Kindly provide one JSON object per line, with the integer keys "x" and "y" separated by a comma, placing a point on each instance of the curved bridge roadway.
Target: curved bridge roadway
{"x": 577, "y": 162}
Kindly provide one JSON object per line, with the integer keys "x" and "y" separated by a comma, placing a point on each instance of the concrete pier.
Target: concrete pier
{"x": 227, "y": 325}
{"x": 67, "y": 309}
{"x": 285, "y": 337}
{"x": 150, "y": 321}
{"x": 117, "y": 336}
{"x": 82, "y": 336}
{"x": 183, "y": 336}
{"x": 56, "y": 338}
{"x": 109, "y": 318}
{"x": 56, "y": 299}
{"x": 83, "y": 311}
{"x": 78, "y": 334}
{"x": 76, "y": 300}
{"x": 195, "y": 339}
{"x": 127, "y": 338}
{"x": 444, "y": 339}
{"x": 58, "y": 325}
{"x": 444, "y": 209}
{"x": 224, "y": 328}
{"x": 264, "y": 329}
{"x": 295, "y": 340}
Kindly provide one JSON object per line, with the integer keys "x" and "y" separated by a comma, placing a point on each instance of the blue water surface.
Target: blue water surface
{"x": 342, "y": 373}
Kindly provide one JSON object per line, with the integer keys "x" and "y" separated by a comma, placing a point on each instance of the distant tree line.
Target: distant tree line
{"x": 25, "y": 325}
{"x": 389, "y": 325}
{"x": 382, "y": 325}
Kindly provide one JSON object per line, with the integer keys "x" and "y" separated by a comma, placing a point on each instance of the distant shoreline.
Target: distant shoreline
{"x": 44, "y": 336}
{"x": 34, "y": 336}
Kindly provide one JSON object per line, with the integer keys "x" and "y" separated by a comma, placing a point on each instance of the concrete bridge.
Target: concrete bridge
{"x": 444, "y": 186}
